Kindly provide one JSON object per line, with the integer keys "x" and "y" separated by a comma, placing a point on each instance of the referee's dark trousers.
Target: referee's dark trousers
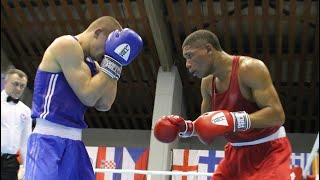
{"x": 9, "y": 167}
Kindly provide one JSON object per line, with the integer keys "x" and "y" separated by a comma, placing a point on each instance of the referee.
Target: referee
{"x": 16, "y": 125}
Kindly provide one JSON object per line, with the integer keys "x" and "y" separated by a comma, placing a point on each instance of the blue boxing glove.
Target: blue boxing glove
{"x": 121, "y": 48}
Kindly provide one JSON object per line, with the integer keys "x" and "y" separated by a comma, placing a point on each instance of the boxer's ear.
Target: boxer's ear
{"x": 97, "y": 32}
{"x": 209, "y": 48}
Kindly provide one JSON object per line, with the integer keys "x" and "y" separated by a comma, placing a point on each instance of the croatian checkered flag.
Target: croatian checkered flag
{"x": 121, "y": 158}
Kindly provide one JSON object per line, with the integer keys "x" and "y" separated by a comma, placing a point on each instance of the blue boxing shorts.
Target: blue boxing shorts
{"x": 52, "y": 157}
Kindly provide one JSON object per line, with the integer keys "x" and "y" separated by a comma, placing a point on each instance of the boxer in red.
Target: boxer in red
{"x": 239, "y": 103}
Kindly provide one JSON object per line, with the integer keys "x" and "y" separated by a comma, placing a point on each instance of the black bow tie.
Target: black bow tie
{"x": 9, "y": 98}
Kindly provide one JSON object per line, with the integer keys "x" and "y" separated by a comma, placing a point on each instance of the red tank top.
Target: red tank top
{"x": 232, "y": 100}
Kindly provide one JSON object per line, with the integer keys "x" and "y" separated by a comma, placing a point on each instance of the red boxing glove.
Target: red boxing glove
{"x": 168, "y": 128}
{"x": 218, "y": 123}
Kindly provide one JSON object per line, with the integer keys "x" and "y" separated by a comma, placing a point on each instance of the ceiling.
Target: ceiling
{"x": 283, "y": 34}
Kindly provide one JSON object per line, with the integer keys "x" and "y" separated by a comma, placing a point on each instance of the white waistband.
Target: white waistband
{"x": 48, "y": 128}
{"x": 281, "y": 132}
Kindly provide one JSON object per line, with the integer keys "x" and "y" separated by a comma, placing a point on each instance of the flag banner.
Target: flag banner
{"x": 185, "y": 160}
{"x": 92, "y": 151}
{"x": 119, "y": 158}
{"x": 206, "y": 161}
{"x": 300, "y": 159}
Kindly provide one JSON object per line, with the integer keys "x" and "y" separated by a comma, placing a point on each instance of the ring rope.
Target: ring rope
{"x": 152, "y": 172}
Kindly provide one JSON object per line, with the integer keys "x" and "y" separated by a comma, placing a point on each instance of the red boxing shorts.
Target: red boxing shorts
{"x": 265, "y": 161}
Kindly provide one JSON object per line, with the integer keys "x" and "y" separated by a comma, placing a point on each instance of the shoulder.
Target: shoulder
{"x": 65, "y": 41}
{"x": 66, "y": 46}
{"x": 251, "y": 64}
{"x": 253, "y": 70}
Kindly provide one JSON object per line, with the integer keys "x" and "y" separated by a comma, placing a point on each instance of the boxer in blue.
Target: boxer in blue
{"x": 68, "y": 81}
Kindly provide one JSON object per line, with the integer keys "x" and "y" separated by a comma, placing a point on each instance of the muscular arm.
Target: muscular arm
{"x": 108, "y": 95}
{"x": 256, "y": 76}
{"x": 68, "y": 54}
{"x": 206, "y": 95}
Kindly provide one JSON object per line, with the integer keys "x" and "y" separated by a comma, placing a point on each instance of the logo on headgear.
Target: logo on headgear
{"x": 123, "y": 50}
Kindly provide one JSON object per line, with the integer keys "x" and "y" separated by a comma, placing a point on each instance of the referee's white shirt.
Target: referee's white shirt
{"x": 16, "y": 126}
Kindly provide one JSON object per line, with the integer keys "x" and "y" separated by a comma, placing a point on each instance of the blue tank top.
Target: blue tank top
{"x": 55, "y": 101}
